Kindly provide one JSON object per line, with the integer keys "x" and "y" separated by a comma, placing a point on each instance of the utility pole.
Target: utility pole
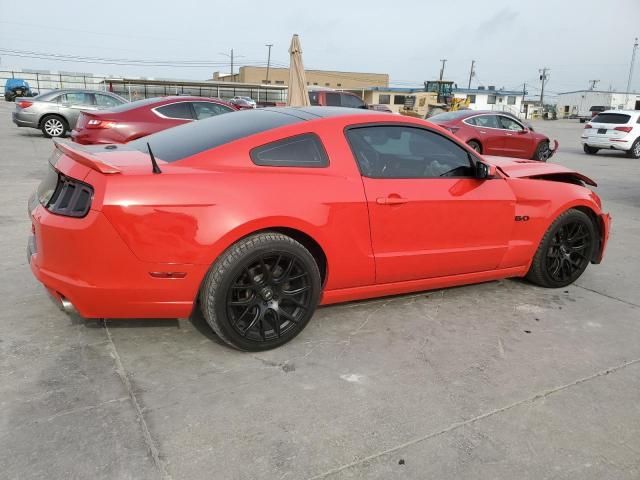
{"x": 633, "y": 61}
{"x": 444, "y": 61}
{"x": 231, "y": 57}
{"x": 524, "y": 92}
{"x": 472, "y": 73}
{"x": 543, "y": 77}
{"x": 593, "y": 84}
{"x": 268, "y": 45}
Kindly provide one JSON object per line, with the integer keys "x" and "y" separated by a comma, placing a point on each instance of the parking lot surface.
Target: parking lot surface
{"x": 497, "y": 380}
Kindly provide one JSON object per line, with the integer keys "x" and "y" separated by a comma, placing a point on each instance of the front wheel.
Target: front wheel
{"x": 565, "y": 250}
{"x": 261, "y": 292}
{"x": 543, "y": 152}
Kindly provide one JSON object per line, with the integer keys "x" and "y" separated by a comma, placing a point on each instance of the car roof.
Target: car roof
{"x": 313, "y": 113}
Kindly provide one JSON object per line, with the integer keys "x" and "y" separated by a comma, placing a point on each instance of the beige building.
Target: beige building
{"x": 320, "y": 78}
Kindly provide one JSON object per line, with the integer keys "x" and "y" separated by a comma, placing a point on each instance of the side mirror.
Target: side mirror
{"x": 485, "y": 170}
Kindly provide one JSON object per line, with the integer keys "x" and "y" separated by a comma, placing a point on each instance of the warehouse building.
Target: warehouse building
{"x": 319, "y": 78}
{"x": 578, "y": 104}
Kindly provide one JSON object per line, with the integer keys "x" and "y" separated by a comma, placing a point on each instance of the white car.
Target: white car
{"x": 613, "y": 130}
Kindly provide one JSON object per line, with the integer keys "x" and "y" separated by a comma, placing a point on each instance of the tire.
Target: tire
{"x": 590, "y": 150}
{"x": 53, "y": 126}
{"x": 475, "y": 145}
{"x": 261, "y": 292}
{"x": 583, "y": 120}
{"x": 9, "y": 97}
{"x": 543, "y": 152}
{"x": 634, "y": 151}
{"x": 565, "y": 250}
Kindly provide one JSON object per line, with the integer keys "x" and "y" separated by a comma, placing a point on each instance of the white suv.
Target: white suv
{"x": 613, "y": 129}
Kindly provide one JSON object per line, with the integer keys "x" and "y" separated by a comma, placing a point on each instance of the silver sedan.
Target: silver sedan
{"x": 56, "y": 112}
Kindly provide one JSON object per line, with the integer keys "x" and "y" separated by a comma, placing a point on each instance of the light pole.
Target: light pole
{"x": 268, "y": 45}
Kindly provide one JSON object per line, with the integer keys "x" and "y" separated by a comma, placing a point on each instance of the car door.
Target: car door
{"x": 517, "y": 138}
{"x": 72, "y": 103}
{"x": 488, "y": 132}
{"x": 429, "y": 216}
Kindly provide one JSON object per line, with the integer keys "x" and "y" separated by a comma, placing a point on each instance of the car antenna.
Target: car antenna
{"x": 156, "y": 168}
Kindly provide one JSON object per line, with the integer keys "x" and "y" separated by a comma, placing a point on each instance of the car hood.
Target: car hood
{"x": 518, "y": 168}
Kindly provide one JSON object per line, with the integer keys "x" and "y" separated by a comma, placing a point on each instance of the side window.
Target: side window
{"x": 509, "y": 124}
{"x": 407, "y": 152}
{"x": 209, "y": 109}
{"x": 176, "y": 110}
{"x": 314, "y": 98}
{"x": 78, "y": 98}
{"x": 300, "y": 151}
{"x": 488, "y": 121}
{"x": 106, "y": 101}
{"x": 351, "y": 101}
{"x": 333, "y": 99}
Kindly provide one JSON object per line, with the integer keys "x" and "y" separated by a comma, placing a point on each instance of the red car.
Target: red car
{"x": 496, "y": 133}
{"x": 144, "y": 117}
{"x": 260, "y": 216}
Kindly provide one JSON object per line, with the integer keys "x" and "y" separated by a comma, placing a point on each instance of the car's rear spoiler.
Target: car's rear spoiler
{"x": 85, "y": 157}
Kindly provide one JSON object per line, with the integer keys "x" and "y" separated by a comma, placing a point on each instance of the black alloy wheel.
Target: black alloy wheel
{"x": 568, "y": 251}
{"x": 269, "y": 297}
{"x": 261, "y": 292}
{"x": 565, "y": 250}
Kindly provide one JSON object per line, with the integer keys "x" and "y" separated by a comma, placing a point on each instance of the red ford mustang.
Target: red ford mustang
{"x": 261, "y": 215}
{"x": 496, "y": 133}
{"x": 144, "y": 117}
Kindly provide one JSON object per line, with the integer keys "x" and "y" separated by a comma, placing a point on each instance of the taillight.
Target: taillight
{"x": 24, "y": 104}
{"x": 95, "y": 123}
{"x": 624, "y": 129}
{"x": 588, "y": 125}
{"x": 71, "y": 197}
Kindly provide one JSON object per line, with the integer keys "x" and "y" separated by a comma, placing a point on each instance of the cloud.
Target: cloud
{"x": 497, "y": 22}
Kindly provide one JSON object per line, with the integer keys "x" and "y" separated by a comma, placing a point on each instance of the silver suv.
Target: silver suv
{"x": 56, "y": 112}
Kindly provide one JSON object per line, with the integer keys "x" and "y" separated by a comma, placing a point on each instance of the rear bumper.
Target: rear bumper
{"x": 607, "y": 143}
{"x": 85, "y": 263}
{"x": 22, "y": 119}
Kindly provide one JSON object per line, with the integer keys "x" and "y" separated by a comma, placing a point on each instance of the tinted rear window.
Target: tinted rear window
{"x": 611, "y": 118}
{"x": 299, "y": 151}
{"x": 195, "y": 137}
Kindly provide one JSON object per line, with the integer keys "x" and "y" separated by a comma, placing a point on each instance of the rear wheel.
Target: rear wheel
{"x": 565, "y": 250}
{"x": 53, "y": 126}
{"x": 590, "y": 150}
{"x": 261, "y": 292}
{"x": 475, "y": 145}
{"x": 543, "y": 152}
{"x": 634, "y": 151}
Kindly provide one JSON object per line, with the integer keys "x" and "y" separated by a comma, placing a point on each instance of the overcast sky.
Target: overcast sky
{"x": 579, "y": 40}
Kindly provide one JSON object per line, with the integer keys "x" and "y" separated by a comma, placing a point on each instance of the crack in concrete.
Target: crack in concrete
{"x": 608, "y": 296}
{"x": 146, "y": 433}
{"x": 457, "y": 425}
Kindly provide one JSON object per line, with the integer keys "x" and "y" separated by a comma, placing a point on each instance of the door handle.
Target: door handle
{"x": 483, "y": 131}
{"x": 391, "y": 200}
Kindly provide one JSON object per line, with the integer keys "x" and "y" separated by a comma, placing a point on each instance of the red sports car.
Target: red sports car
{"x": 262, "y": 215}
{"x": 144, "y": 117}
{"x": 496, "y": 133}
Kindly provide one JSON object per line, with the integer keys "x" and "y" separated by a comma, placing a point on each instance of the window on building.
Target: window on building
{"x": 471, "y": 98}
{"x": 398, "y": 99}
{"x": 266, "y": 82}
{"x": 315, "y": 83}
{"x": 491, "y": 99}
{"x": 327, "y": 84}
{"x": 175, "y": 110}
{"x": 407, "y": 152}
{"x": 511, "y": 100}
{"x": 279, "y": 82}
{"x": 299, "y": 151}
{"x": 339, "y": 84}
{"x": 384, "y": 99}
